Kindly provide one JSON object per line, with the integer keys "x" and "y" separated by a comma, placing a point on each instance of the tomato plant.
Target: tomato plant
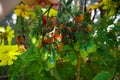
{"x": 68, "y": 44}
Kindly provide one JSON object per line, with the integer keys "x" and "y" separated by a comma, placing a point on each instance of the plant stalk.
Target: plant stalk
{"x": 55, "y": 74}
{"x": 78, "y": 68}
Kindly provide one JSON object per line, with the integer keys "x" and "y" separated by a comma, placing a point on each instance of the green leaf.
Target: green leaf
{"x": 104, "y": 75}
{"x": 67, "y": 47}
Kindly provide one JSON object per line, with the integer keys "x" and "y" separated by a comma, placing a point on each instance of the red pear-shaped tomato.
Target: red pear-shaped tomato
{"x": 54, "y": 21}
{"x": 58, "y": 37}
{"x": 44, "y": 20}
{"x": 48, "y": 39}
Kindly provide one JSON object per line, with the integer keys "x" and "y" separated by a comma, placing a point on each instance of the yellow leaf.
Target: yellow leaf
{"x": 95, "y": 6}
{"x": 52, "y": 12}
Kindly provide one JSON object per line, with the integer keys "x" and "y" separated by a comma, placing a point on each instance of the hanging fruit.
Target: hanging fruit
{"x": 89, "y": 27}
{"x": 73, "y": 58}
{"x": 91, "y": 47}
{"x": 48, "y": 38}
{"x": 83, "y": 52}
{"x": 51, "y": 61}
{"x": 79, "y": 18}
{"x": 45, "y": 55}
{"x": 77, "y": 46}
{"x": 60, "y": 46}
{"x": 44, "y": 20}
{"x": 67, "y": 57}
{"x": 56, "y": 54}
{"x": 49, "y": 20}
{"x": 58, "y": 37}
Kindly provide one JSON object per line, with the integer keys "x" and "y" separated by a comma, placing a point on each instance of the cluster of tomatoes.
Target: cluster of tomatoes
{"x": 85, "y": 50}
{"x": 52, "y": 33}
{"x": 79, "y": 19}
{"x": 49, "y": 57}
{"x": 54, "y": 40}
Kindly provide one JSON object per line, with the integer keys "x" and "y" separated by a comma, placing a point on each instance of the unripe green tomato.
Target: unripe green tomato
{"x": 56, "y": 55}
{"x": 67, "y": 57}
{"x": 33, "y": 37}
{"x": 77, "y": 46}
{"x": 74, "y": 62}
{"x": 73, "y": 58}
{"x": 94, "y": 47}
{"x": 83, "y": 52}
{"x": 51, "y": 62}
{"x": 34, "y": 40}
{"x": 91, "y": 47}
{"x": 45, "y": 56}
{"x": 72, "y": 55}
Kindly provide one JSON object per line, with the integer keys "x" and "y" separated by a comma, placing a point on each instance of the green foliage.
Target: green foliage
{"x": 103, "y": 76}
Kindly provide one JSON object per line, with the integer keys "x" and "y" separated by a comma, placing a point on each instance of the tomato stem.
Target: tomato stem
{"x": 78, "y": 68}
{"x": 55, "y": 74}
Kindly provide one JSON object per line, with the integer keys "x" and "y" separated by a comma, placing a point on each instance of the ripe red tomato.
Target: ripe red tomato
{"x": 58, "y": 37}
{"x": 44, "y": 20}
{"x": 89, "y": 27}
{"x": 47, "y": 19}
{"x": 49, "y": 39}
{"x": 79, "y": 18}
{"x": 54, "y": 21}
